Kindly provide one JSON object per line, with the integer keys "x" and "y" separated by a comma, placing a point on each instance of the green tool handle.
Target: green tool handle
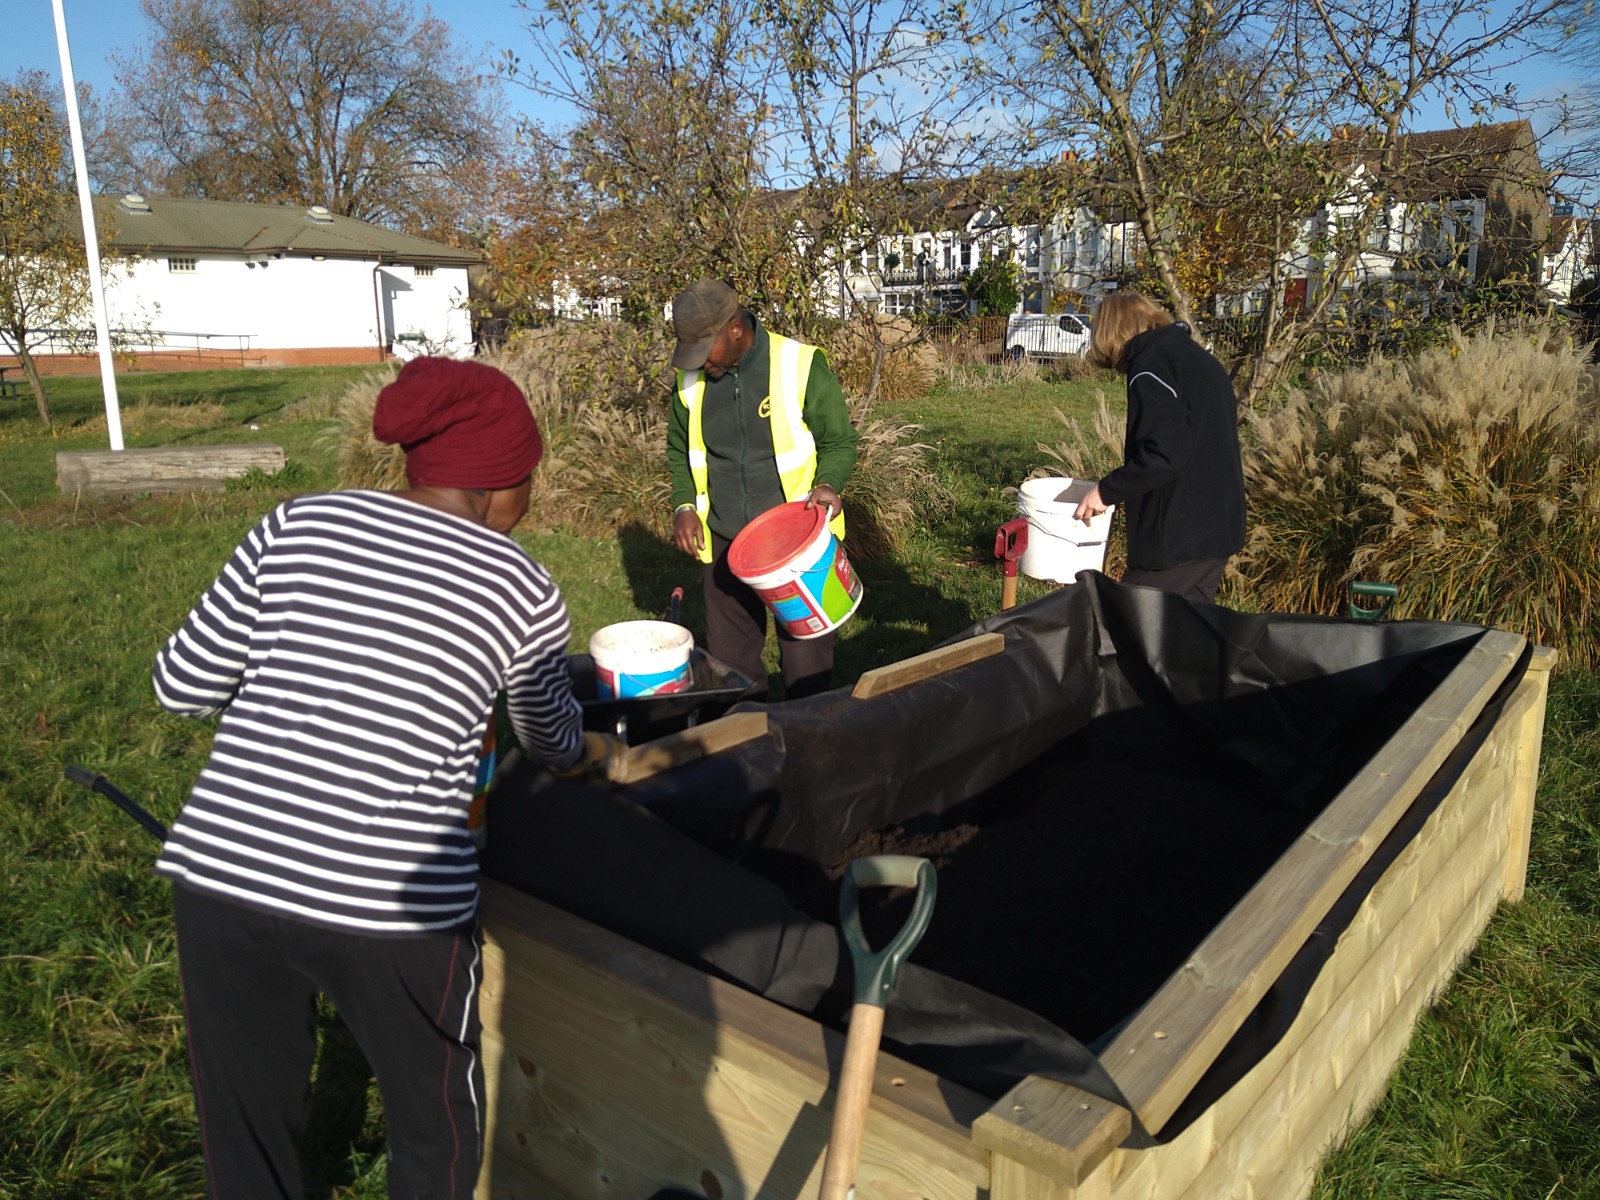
{"x": 1362, "y": 587}
{"x": 875, "y": 972}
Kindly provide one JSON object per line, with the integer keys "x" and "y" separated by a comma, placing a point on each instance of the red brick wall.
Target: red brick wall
{"x": 201, "y": 360}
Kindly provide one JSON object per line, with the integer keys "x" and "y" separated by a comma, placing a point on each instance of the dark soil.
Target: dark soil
{"x": 1080, "y": 884}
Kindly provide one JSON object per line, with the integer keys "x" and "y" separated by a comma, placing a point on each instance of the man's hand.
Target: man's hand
{"x": 1090, "y": 506}
{"x": 600, "y": 750}
{"x": 829, "y": 499}
{"x": 687, "y": 532}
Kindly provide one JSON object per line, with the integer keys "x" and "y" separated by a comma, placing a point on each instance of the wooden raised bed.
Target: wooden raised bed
{"x": 615, "y": 1071}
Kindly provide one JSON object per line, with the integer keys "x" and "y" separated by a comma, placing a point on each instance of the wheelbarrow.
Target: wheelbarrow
{"x": 714, "y": 687}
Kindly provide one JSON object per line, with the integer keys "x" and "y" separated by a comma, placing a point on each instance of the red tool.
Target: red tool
{"x": 1010, "y": 544}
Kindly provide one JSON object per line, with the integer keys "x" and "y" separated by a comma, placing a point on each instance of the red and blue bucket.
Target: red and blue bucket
{"x": 791, "y": 559}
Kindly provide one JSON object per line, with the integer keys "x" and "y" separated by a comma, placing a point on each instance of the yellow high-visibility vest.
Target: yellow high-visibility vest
{"x": 789, "y": 367}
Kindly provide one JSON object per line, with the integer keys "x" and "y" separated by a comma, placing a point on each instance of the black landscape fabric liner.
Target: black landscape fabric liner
{"x": 1095, "y": 799}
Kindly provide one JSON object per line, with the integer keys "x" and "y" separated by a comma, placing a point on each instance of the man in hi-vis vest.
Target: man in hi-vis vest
{"x": 757, "y": 420}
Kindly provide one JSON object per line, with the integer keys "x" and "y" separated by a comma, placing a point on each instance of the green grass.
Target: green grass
{"x": 1497, "y": 1097}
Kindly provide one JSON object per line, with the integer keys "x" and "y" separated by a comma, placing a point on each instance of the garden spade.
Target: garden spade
{"x": 875, "y": 973}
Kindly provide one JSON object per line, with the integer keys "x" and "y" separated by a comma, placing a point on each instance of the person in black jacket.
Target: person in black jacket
{"x": 1180, "y": 485}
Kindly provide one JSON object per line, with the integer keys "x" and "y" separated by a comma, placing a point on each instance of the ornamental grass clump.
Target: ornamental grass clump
{"x": 883, "y": 357}
{"x": 1468, "y": 475}
{"x": 892, "y": 489}
{"x": 600, "y": 392}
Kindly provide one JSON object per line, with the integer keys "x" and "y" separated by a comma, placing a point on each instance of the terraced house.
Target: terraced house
{"x": 1466, "y": 207}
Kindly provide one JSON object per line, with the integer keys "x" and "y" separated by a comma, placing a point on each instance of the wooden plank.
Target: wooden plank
{"x": 698, "y": 741}
{"x": 1472, "y": 816}
{"x": 162, "y": 469}
{"x": 1010, "y": 1180}
{"x": 1364, "y": 1078}
{"x": 1534, "y": 691}
{"x": 1163, "y": 1052}
{"x": 881, "y": 680}
{"x": 665, "y": 1108}
{"x": 1284, "y": 1135}
{"x": 613, "y": 1043}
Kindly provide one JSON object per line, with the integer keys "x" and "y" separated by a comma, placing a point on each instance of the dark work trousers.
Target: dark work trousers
{"x": 1197, "y": 580}
{"x": 250, "y": 981}
{"x": 736, "y": 631}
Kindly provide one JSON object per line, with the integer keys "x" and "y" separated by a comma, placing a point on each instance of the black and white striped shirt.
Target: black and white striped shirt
{"x": 354, "y": 644}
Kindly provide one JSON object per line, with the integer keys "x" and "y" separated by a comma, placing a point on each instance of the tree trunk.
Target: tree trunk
{"x": 31, "y": 370}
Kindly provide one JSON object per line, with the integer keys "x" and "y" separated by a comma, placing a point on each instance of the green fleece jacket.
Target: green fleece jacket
{"x": 742, "y": 471}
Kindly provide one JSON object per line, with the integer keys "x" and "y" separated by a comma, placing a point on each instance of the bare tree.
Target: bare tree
{"x": 357, "y": 105}
{"x": 1263, "y": 115}
{"x": 667, "y": 165}
{"x": 764, "y": 144}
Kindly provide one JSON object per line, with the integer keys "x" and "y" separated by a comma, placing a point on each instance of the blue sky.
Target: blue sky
{"x": 482, "y": 27}
{"x": 97, "y": 28}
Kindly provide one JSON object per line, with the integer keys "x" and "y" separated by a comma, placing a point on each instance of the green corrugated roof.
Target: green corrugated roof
{"x": 227, "y": 226}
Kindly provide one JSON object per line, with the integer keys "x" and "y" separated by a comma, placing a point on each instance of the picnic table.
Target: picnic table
{"x": 8, "y": 387}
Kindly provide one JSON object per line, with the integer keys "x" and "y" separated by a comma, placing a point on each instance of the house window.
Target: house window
{"x": 422, "y": 272}
{"x": 1378, "y": 231}
{"x": 182, "y": 266}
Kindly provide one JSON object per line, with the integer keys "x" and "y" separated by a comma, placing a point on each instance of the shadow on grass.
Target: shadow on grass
{"x": 654, "y": 566}
{"x": 899, "y": 615}
{"x": 339, "y": 1131}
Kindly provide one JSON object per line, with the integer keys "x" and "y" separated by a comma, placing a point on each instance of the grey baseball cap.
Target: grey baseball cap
{"x": 700, "y": 312}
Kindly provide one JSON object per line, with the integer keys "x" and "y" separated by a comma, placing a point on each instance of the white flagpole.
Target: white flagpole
{"x": 91, "y": 238}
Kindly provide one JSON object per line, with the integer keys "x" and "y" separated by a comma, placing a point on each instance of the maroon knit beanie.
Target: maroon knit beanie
{"x": 461, "y": 424}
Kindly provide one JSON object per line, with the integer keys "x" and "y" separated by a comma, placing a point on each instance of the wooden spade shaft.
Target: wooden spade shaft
{"x": 850, "y": 1104}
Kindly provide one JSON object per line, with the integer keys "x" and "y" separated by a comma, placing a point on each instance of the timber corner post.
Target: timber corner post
{"x": 1527, "y": 709}
{"x": 1046, "y": 1140}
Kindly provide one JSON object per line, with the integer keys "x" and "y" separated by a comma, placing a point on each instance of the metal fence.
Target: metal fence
{"x": 169, "y": 343}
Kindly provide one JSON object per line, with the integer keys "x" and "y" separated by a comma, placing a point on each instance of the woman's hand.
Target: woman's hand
{"x": 1090, "y": 506}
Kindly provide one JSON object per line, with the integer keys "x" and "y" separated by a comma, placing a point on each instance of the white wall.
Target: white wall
{"x": 289, "y": 303}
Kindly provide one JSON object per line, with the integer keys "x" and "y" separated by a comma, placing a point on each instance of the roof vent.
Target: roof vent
{"x": 320, "y": 214}
{"x": 133, "y": 202}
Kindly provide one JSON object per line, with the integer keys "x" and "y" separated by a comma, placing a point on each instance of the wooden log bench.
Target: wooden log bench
{"x": 163, "y": 469}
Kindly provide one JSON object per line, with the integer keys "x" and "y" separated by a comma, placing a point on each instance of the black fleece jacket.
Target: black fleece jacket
{"x": 1180, "y": 486}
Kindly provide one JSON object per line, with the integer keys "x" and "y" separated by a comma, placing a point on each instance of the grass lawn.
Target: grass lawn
{"x": 1497, "y": 1098}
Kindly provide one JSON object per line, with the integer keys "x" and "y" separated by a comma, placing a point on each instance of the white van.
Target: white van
{"x": 1046, "y": 335}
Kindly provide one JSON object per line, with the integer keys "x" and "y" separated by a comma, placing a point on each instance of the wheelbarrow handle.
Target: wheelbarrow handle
{"x": 99, "y": 783}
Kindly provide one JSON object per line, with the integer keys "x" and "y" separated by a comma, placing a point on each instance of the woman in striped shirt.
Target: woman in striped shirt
{"x": 353, "y": 647}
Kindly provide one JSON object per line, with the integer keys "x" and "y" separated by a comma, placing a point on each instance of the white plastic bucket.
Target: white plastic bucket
{"x": 640, "y": 658}
{"x": 1059, "y": 546}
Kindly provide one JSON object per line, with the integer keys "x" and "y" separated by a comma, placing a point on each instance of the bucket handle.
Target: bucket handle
{"x": 1060, "y": 537}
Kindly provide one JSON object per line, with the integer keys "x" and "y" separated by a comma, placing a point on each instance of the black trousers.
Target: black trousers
{"x": 250, "y": 981}
{"x": 1197, "y": 580}
{"x": 736, "y": 633}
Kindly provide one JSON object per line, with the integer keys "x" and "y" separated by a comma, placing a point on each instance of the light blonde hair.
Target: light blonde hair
{"x": 1121, "y": 317}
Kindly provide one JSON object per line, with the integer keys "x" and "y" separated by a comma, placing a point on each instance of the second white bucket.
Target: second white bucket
{"x": 1058, "y": 546}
